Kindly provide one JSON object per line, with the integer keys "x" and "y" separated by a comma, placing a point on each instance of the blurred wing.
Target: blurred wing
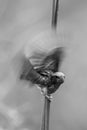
{"x": 30, "y": 74}
{"x": 52, "y": 61}
{"x": 40, "y": 74}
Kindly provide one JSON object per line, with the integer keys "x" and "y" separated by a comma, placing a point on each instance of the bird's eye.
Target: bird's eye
{"x": 57, "y": 77}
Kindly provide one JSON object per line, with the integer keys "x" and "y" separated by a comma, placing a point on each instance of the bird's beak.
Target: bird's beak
{"x": 60, "y": 75}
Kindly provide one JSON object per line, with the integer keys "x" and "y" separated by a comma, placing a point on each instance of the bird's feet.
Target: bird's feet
{"x": 44, "y": 92}
{"x": 49, "y": 97}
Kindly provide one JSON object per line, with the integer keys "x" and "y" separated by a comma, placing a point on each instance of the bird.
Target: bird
{"x": 46, "y": 73}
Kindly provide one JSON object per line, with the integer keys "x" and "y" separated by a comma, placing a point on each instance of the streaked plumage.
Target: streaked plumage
{"x": 43, "y": 73}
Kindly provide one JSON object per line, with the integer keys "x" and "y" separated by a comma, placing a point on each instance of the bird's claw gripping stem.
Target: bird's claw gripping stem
{"x": 44, "y": 92}
{"x": 49, "y": 97}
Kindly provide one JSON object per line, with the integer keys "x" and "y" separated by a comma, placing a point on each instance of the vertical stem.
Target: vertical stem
{"x": 46, "y": 114}
{"x": 43, "y": 118}
{"x": 55, "y": 13}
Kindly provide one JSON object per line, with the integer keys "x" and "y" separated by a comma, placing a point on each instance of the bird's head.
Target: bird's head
{"x": 60, "y": 76}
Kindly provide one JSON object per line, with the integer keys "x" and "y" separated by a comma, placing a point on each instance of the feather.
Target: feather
{"x": 52, "y": 61}
{"x": 41, "y": 74}
{"x": 30, "y": 74}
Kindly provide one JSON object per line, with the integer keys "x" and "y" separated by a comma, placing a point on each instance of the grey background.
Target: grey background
{"x": 27, "y": 23}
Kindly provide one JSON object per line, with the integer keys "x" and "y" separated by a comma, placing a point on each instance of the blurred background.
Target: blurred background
{"x": 25, "y": 28}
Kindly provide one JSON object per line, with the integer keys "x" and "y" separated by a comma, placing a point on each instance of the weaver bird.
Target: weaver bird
{"x": 46, "y": 73}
